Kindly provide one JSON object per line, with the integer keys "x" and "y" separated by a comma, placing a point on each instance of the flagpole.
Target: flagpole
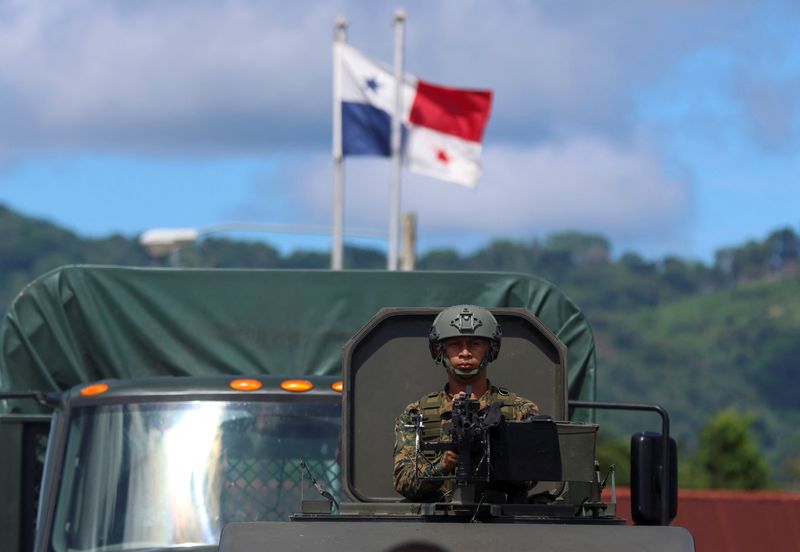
{"x": 394, "y": 189}
{"x": 337, "y": 243}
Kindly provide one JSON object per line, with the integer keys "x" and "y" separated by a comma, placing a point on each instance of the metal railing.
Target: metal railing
{"x": 665, "y": 459}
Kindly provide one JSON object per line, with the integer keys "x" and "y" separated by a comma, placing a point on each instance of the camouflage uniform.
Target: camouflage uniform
{"x": 406, "y": 482}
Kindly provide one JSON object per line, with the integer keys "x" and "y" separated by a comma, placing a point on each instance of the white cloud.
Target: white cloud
{"x": 244, "y": 76}
{"x": 153, "y": 76}
{"x": 584, "y": 183}
{"x": 526, "y": 191}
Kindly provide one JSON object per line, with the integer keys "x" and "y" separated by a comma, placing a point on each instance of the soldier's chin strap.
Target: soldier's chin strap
{"x": 463, "y": 373}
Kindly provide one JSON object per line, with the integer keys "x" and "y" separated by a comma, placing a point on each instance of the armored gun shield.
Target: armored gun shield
{"x": 387, "y": 365}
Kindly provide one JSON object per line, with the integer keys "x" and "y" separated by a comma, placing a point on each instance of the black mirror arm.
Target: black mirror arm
{"x": 664, "y": 476}
{"x": 45, "y": 399}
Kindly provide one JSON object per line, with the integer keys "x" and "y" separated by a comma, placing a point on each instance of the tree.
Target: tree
{"x": 583, "y": 248}
{"x": 791, "y": 473}
{"x": 728, "y": 455}
{"x": 440, "y": 259}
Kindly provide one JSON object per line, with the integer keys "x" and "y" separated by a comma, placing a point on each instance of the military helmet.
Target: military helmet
{"x": 464, "y": 320}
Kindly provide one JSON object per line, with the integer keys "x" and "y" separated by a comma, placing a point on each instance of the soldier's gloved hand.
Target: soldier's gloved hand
{"x": 461, "y": 395}
{"x": 448, "y": 462}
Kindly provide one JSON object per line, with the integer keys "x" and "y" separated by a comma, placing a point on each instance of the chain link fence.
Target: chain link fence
{"x": 262, "y": 475}
{"x": 263, "y": 490}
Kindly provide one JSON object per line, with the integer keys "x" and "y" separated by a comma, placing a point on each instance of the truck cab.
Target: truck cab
{"x": 163, "y": 463}
{"x": 159, "y": 463}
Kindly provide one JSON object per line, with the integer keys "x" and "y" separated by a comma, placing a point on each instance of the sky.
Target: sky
{"x": 668, "y": 127}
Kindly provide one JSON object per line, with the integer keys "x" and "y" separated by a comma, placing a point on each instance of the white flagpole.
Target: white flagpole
{"x": 394, "y": 189}
{"x": 337, "y": 243}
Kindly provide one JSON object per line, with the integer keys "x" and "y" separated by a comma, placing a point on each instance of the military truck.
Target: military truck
{"x": 145, "y": 409}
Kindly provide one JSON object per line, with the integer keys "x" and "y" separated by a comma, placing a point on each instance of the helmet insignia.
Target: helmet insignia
{"x": 466, "y": 321}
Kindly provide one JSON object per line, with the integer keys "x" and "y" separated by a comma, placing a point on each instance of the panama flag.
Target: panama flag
{"x": 442, "y": 127}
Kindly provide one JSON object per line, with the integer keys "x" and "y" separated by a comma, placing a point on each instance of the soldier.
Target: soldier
{"x": 464, "y": 339}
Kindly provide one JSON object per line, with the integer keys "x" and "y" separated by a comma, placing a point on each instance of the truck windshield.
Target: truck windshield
{"x": 155, "y": 475}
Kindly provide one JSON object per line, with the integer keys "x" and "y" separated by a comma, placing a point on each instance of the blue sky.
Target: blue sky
{"x": 668, "y": 127}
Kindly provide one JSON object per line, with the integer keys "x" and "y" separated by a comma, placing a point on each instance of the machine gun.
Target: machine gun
{"x": 491, "y": 449}
{"x": 469, "y": 429}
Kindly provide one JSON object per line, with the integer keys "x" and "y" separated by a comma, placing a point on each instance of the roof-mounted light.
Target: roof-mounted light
{"x": 245, "y": 384}
{"x": 297, "y": 385}
{"x": 94, "y": 389}
{"x": 338, "y": 386}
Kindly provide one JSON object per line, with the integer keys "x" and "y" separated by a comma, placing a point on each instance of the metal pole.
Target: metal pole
{"x": 408, "y": 259}
{"x": 337, "y": 243}
{"x": 286, "y": 229}
{"x": 394, "y": 188}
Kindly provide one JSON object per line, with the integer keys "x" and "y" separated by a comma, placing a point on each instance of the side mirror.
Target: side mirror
{"x": 646, "y": 479}
{"x": 45, "y": 399}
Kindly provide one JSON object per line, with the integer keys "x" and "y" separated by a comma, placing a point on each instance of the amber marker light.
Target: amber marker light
{"x": 338, "y": 386}
{"x": 94, "y": 389}
{"x": 297, "y": 385}
{"x": 244, "y": 384}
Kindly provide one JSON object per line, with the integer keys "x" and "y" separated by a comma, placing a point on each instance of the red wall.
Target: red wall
{"x": 733, "y": 521}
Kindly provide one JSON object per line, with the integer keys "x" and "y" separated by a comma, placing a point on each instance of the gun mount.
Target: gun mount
{"x": 468, "y": 429}
{"x": 385, "y": 365}
{"x": 493, "y": 453}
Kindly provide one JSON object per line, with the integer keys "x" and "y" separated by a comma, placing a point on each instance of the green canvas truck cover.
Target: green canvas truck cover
{"x": 79, "y": 324}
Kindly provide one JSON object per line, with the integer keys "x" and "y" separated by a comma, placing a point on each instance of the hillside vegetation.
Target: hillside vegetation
{"x": 697, "y": 338}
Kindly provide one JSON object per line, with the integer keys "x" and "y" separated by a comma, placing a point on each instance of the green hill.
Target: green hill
{"x": 732, "y": 348}
{"x": 29, "y": 247}
{"x": 696, "y": 338}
